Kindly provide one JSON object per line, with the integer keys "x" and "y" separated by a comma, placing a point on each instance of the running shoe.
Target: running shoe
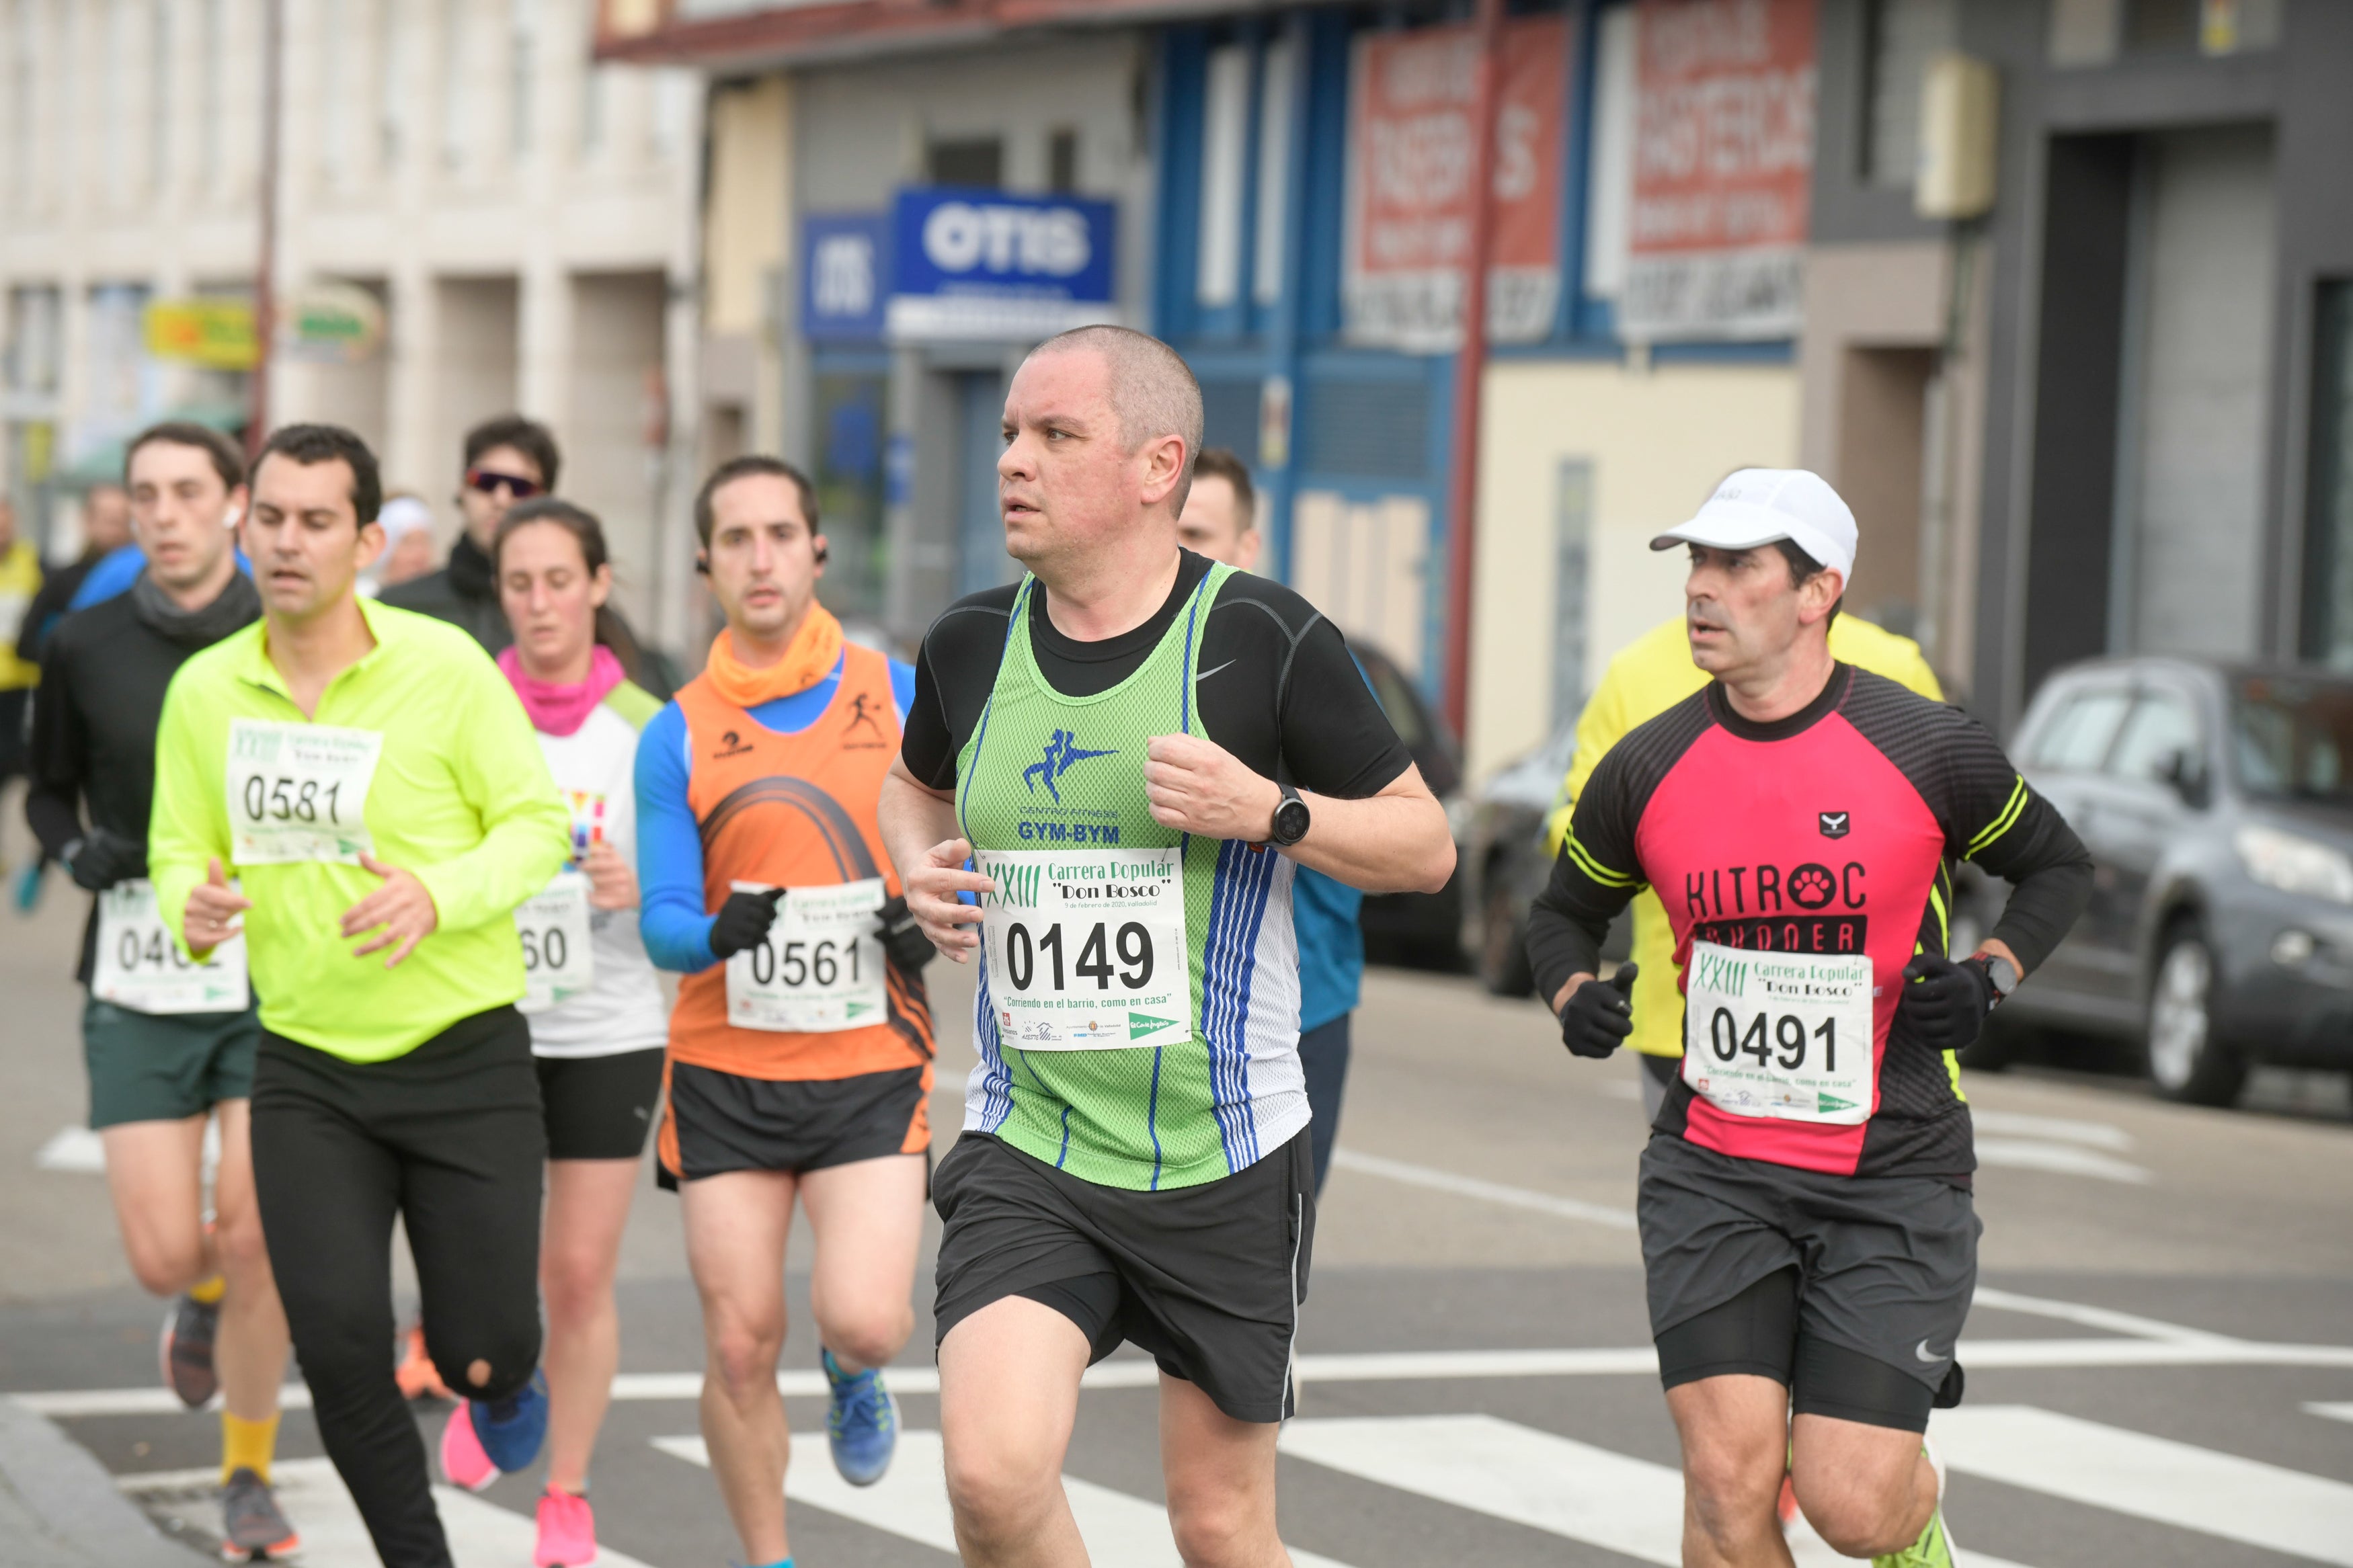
{"x": 1934, "y": 1547}
{"x": 484, "y": 1441}
{"x": 252, "y": 1528}
{"x": 568, "y": 1530}
{"x": 862, "y": 1427}
{"x": 416, "y": 1375}
{"x": 186, "y": 1350}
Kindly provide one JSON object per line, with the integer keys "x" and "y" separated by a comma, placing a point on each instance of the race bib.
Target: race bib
{"x": 1784, "y": 1035}
{"x": 1086, "y": 947}
{"x": 558, "y": 962}
{"x": 138, "y": 966}
{"x": 821, "y": 970}
{"x": 298, "y": 792}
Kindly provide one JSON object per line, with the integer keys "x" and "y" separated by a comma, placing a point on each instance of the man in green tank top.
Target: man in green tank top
{"x": 1110, "y": 774}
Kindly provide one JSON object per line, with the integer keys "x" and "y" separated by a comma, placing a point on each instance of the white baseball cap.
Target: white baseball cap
{"x": 1758, "y": 506}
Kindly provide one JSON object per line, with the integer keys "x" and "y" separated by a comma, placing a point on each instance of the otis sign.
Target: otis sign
{"x": 987, "y": 264}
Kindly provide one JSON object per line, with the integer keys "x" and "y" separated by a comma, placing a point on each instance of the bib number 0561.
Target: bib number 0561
{"x": 823, "y": 963}
{"x": 1132, "y": 944}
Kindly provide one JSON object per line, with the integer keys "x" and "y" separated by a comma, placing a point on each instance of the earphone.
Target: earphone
{"x": 232, "y": 517}
{"x": 703, "y": 563}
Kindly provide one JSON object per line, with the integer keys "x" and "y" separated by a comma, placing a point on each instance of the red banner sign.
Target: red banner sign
{"x": 1723, "y": 158}
{"x": 1410, "y": 147}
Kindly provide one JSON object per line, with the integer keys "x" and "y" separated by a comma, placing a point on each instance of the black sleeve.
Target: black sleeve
{"x": 2025, "y": 842}
{"x": 59, "y": 759}
{"x": 954, "y": 671}
{"x": 1595, "y": 875}
{"x": 1335, "y": 739}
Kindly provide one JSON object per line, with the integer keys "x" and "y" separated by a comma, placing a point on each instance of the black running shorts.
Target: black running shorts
{"x": 722, "y": 1122}
{"x": 1849, "y": 1291}
{"x": 600, "y": 1107}
{"x": 1207, "y": 1279}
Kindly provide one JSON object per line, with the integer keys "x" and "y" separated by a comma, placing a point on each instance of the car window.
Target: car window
{"x": 2292, "y": 737}
{"x": 2076, "y": 739}
{"x": 2162, "y": 725}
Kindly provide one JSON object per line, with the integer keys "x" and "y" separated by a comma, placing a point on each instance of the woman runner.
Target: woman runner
{"x": 598, "y": 1022}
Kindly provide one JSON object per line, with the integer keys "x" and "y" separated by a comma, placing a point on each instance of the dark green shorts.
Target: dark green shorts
{"x": 165, "y": 1067}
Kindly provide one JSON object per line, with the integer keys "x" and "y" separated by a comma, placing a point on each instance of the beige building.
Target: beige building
{"x": 524, "y": 218}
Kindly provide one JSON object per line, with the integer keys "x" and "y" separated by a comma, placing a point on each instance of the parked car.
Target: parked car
{"x": 1416, "y": 928}
{"x": 1505, "y": 865}
{"x": 2217, "y": 800}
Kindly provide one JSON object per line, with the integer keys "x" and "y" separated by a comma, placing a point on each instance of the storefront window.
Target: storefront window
{"x": 849, "y": 429}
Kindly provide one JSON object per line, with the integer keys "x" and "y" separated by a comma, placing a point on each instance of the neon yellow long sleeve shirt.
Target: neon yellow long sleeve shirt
{"x": 1646, "y": 677}
{"x": 460, "y": 797}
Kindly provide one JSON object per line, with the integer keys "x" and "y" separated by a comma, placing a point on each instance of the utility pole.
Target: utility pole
{"x": 265, "y": 272}
{"x": 1470, "y": 369}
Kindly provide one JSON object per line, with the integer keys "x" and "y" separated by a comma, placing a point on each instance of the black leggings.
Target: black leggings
{"x": 450, "y": 1138}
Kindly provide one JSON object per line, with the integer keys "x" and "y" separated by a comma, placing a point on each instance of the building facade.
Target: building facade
{"x": 518, "y": 220}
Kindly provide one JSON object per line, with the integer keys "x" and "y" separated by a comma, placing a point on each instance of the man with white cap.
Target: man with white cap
{"x": 1804, "y": 1201}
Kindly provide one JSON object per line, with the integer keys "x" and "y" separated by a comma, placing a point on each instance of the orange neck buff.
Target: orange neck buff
{"x": 809, "y": 659}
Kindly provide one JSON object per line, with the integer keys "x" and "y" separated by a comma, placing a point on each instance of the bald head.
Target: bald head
{"x": 1153, "y": 393}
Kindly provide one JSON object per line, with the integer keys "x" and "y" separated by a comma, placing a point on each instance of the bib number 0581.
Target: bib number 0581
{"x": 1131, "y": 944}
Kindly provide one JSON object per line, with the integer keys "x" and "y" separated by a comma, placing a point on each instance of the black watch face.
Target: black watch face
{"x": 1291, "y": 822}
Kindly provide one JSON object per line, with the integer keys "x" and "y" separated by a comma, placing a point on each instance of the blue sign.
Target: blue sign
{"x": 987, "y": 264}
{"x": 844, "y": 262}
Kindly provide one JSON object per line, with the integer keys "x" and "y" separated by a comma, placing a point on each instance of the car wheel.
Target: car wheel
{"x": 2187, "y": 1059}
{"x": 1503, "y": 941}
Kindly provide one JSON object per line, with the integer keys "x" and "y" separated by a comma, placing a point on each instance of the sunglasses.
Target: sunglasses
{"x": 490, "y": 482}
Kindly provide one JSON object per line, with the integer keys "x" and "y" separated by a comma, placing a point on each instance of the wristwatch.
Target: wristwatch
{"x": 1289, "y": 825}
{"x": 2002, "y": 972}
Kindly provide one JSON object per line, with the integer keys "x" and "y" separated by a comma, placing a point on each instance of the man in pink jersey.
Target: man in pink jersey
{"x": 1805, "y": 1206}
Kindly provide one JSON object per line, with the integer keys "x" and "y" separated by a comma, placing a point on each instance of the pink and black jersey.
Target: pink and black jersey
{"x": 1834, "y": 832}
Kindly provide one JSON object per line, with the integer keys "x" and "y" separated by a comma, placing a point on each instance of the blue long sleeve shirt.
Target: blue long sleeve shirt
{"x": 672, "y": 915}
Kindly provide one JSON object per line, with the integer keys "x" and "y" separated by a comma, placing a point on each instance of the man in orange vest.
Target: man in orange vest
{"x": 800, "y": 1050}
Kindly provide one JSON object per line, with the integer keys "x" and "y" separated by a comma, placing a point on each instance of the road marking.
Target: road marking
{"x": 2065, "y": 1159}
{"x": 333, "y": 1534}
{"x": 1472, "y": 1187}
{"x": 2331, "y": 1410}
{"x": 2099, "y": 1318}
{"x": 2062, "y": 1128}
{"x": 2155, "y": 1478}
{"x": 78, "y": 1151}
{"x": 912, "y": 1502}
{"x": 1539, "y": 1480}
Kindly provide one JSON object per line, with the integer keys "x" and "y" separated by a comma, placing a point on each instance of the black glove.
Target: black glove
{"x": 1599, "y": 1015}
{"x": 1944, "y": 1003}
{"x": 99, "y": 860}
{"x": 743, "y": 921}
{"x": 902, "y": 938}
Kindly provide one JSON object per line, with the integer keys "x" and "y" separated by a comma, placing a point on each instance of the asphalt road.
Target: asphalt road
{"x": 2160, "y": 1362}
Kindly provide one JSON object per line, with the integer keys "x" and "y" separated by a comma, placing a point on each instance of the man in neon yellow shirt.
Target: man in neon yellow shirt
{"x": 20, "y": 582}
{"x": 1646, "y": 677}
{"x": 373, "y": 783}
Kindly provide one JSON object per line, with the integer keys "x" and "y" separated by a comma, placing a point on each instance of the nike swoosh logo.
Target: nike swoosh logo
{"x": 1924, "y": 1354}
{"x": 1206, "y": 673}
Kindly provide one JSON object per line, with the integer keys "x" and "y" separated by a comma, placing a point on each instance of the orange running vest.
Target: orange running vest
{"x": 795, "y": 811}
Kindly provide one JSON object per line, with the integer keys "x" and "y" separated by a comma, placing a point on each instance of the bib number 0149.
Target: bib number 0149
{"x": 1084, "y": 948}
{"x": 1131, "y": 944}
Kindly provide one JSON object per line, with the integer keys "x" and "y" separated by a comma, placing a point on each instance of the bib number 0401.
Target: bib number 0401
{"x": 1132, "y": 944}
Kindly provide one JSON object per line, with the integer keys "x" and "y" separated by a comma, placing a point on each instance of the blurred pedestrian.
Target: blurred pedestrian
{"x": 507, "y": 460}
{"x": 20, "y": 584}
{"x": 1220, "y": 521}
{"x": 105, "y": 535}
{"x": 408, "y": 543}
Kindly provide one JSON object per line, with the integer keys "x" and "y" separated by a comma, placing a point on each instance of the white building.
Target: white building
{"x": 527, "y": 220}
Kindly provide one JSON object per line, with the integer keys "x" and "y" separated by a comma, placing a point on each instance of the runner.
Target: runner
{"x": 1104, "y": 738}
{"x": 1646, "y": 677}
{"x": 105, "y": 534}
{"x": 169, "y": 1048}
{"x": 508, "y": 459}
{"x": 800, "y": 1050}
{"x": 106, "y": 523}
{"x": 598, "y": 1019}
{"x": 1804, "y": 1202}
{"x": 370, "y": 777}
{"x": 20, "y": 585}
{"x": 1220, "y": 521}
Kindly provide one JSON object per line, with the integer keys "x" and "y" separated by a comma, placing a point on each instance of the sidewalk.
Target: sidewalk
{"x": 59, "y": 1509}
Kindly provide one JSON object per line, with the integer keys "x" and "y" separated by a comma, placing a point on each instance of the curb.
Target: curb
{"x": 60, "y": 1508}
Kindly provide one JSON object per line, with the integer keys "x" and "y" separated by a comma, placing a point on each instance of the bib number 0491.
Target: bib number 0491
{"x": 1786, "y": 1048}
{"x": 1132, "y": 944}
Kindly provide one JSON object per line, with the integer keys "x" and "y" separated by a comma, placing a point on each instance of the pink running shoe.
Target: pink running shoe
{"x": 567, "y": 1531}
{"x": 464, "y": 1462}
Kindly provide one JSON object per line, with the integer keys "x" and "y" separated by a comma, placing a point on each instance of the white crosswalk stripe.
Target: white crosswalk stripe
{"x": 2155, "y": 1478}
{"x": 482, "y": 1534}
{"x": 912, "y": 1502}
{"x": 2332, "y": 1410}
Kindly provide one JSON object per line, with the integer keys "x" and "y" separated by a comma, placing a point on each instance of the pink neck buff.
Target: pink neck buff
{"x": 560, "y": 708}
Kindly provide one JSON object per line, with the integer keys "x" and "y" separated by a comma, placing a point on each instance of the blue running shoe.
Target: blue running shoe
{"x": 512, "y": 1429}
{"x": 862, "y": 1427}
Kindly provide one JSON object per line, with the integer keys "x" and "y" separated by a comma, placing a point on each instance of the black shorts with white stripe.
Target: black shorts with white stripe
{"x": 1206, "y": 1279}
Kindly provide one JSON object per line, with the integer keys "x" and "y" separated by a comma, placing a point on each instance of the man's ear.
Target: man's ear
{"x": 1819, "y": 592}
{"x": 1163, "y": 465}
